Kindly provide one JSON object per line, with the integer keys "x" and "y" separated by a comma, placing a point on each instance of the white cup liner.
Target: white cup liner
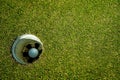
{"x": 20, "y": 42}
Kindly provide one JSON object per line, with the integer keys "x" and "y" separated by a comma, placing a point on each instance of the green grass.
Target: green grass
{"x": 81, "y": 39}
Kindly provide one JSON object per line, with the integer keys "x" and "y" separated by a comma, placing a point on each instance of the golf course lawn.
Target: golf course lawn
{"x": 81, "y": 39}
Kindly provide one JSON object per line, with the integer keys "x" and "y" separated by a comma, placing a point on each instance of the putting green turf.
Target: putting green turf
{"x": 81, "y": 39}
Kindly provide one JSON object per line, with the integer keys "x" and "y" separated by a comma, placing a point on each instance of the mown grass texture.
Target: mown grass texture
{"x": 80, "y": 37}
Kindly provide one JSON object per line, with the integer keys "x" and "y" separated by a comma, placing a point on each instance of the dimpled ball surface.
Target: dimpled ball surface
{"x": 33, "y": 52}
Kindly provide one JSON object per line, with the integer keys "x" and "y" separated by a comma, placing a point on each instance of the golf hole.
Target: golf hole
{"x": 27, "y": 48}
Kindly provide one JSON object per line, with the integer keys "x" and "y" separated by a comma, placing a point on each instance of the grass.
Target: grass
{"x": 80, "y": 37}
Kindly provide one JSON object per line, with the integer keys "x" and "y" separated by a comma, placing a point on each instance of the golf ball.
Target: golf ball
{"x": 33, "y": 52}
